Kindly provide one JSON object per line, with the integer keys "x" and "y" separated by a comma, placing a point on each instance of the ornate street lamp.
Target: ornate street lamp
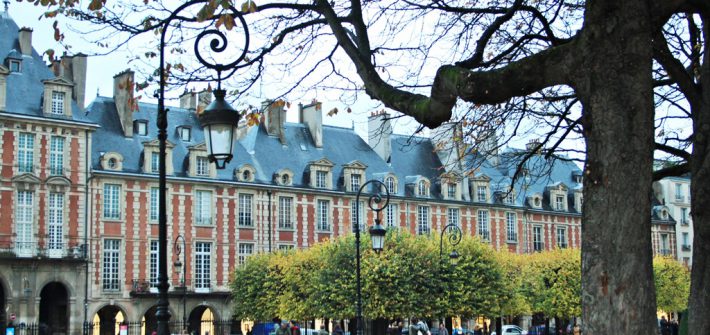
{"x": 454, "y": 238}
{"x": 219, "y": 119}
{"x": 377, "y": 233}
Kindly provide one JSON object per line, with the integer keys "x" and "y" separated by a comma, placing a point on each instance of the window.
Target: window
{"x": 25, "y": 152}
{"x": 154, "y": 162}
{"x": 202, "y": 166}
{"x": 154, "y": 196}
{"x": 454, "y": 217}
{"x": 246, "y": 175}
{"x": 203, "y": 258}
{"x": 451, "y": 191}
{"x": 391, "y": 218}
{"x": 678, "y": 192}
{"x": 285, "y": 179}
{"x": 481, "y": 193}
{"x": 111, "y": 255}
{"x": 538, "y": 244}
{"x": 57, "y": 103}
{"x": 686, "y": 239}
{"x": 562, "y": 237}
{"x": 56, "y": 222}
{"x": 285, "y": 247}
{"x": 24, "y": 221}
{"x": 15, "y": 65}
{"x": 245, "y": 210}
{"x": 483, "y": 228}
{"x": 423, "y": 227}
{"x": 112, "y": 163}
{"x": 560, "y": 202}
{"x": 511, "y": 220}
{"x": 141, "y": 127}
{"x": 354, "y": 182}
{"x": 422, "y": 188}
{"x": 389, "y": 183}
{"x": 245, "y": 250}
{"x": 285, "y": 210}
{"x": 509, "y": 197}
{"x": 322, "y": 215}
{"x": 153, "y": 275}
{"x": 355, "y": 218}
{"x": 684, "y": 216}
{"x": 665, "y": 248}
{"x": 112, "y": 201}
{"x": 56, "y": 156}
{"x": 203, "y": 208}
{"x": 185, "y": 134}
{"x": 321, "y": 179}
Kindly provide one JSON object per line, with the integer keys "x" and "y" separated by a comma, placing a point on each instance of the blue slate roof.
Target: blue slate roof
{"x": 25, "y": 89}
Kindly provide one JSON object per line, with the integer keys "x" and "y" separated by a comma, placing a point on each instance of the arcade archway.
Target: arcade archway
{"x": 201, "y": 321}
{"x": 54, "y": 309}
{"x": 107, "y": 320}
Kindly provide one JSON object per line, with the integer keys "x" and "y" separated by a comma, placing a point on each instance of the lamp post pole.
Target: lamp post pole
{"x": 219, "y": 119}
{"x": 269, "y": 193}
{"x": 181, "y": 249}
{"x": 377, "y": 234}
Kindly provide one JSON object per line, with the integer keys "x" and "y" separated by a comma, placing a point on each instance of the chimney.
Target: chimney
{"x": 25, "y": 37}
{"x": 204, "y": 98}
{"x": 489, "y": 145}
{"x": 311, "y": 116}
{"x": 56, "y": 67}
{"x": 78, "y": 66}
{"x": 379, "y": 132}
{"x": 448, "y": 144}
{"x": 123, "y": 86}
{"x": 188, "y": 100}
{"x": 274, "y": 118}
{"x": 533, "y": 145}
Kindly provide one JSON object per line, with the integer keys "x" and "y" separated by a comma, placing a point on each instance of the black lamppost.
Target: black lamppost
{"x": 219, "y": 121}
{"x": 377, "y": 233}
{"x": 180, "y": 248}
{"x": 454, "y": 238}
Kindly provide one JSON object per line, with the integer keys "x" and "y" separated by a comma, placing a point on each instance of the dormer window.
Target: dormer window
{"x": 202, "y": 167}
{"x": 482, "y": 193}
{"x": 185, "y": 133}
{"x": 112, "y": 163}
{"x": 321, "y": 177}
{"x": 246, "y": 175}
{"x": 560, "y": 202}
{"x": 141, "y": 127}
{"x": 15, "y": 65}
{"x": 423, "y": 188}
{"x": 154, "y": 162}
{"x": 285, "y": 179}
{"x": 58, "y": 102}
{"x": 451, "y": 191}
{"x": 391, "y": 185}
{"x": 509, "y": 197}
{"x": 354, "y": 182}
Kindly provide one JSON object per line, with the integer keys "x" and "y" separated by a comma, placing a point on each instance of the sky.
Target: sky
{"x": 101, "y": 70}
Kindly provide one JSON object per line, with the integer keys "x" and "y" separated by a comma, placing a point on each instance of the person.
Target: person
{"x": 477, "y": 330}
{"x": 322, "y": 331}
{"x": 665, "y": 327}
{"x": 576, "y": 329}
{"x": 674, "y": 327}
{"x": 284, "y": 329}
{"x": 443, "y": 330}
{"x": 295, "y": 330}
{"x": 457, "y": 330}
{"x": 337, "y": 330}
{"x": 417, "y": 327}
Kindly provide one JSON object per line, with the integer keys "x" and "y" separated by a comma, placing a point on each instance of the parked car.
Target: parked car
{"x": 511, "y": 330}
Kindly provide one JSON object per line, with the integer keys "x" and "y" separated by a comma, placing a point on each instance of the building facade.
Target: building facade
{"x": 674, "y": 194}
{"x": 82, "y": 186}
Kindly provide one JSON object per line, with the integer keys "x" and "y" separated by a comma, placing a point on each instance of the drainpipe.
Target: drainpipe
{"x": 86, "y": 230}
{"x": 269, "y": 193}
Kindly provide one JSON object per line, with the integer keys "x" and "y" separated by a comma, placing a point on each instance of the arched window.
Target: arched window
{"x": 423, "y": 189}
{"x": 389, "y": 183}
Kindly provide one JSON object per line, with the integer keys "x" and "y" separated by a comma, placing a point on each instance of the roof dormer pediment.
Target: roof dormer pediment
{"x": 58, "y": 81}
{"x": 156, "y": 143}
{"x": 26, "y": 178}
{"x": 4, "y": 70}
{"x": 58, "y": 181}
{"x": 355, "y": 165}
{"x": 323, "y": 162}
{"x": 198, "y": 147}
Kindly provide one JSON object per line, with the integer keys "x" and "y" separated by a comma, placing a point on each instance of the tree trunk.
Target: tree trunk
{"x": 699, "y": 303}
{"x": 614, "y": 86}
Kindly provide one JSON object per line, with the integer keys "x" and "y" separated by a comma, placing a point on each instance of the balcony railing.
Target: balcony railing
{"x": 11, "y": 247}
{"x": 664, "y": 252}
{"x": 684, "y": 222}
{"x": 685, "y": 247}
